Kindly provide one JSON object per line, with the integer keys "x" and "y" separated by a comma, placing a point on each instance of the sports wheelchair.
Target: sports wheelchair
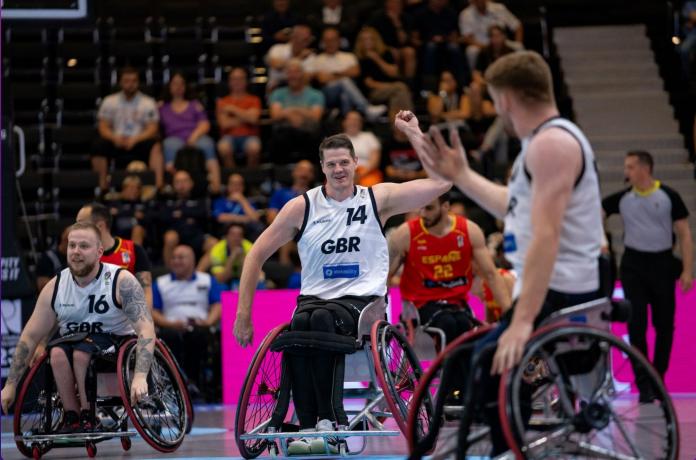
{"x": 161, "y": 418}
{"x": 571, "y": 396}
{"x": 383, "y": 372}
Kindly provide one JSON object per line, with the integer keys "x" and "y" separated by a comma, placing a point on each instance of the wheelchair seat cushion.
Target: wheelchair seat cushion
{"x": 310, "y": 342}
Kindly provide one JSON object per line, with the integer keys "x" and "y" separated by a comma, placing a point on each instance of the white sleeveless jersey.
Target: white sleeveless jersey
{"x": 92, "y": 308}
{"x": 576, "y": 268}
{"x": 342, "y": 246}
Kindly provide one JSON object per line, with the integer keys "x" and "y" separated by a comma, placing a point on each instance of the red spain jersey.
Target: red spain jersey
{"x": 123, "y": 255}
{"x": 437, "y": 268}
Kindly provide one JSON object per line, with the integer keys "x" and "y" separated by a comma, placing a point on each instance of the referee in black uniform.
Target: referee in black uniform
{"x": 652, "y": 213}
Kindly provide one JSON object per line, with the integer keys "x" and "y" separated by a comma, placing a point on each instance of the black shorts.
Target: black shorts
{"x": 140, "y": 151}
{"x": 103, "y": 344}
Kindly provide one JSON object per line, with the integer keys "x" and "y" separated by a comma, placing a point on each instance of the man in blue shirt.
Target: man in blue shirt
{"x": 190, "y": 305}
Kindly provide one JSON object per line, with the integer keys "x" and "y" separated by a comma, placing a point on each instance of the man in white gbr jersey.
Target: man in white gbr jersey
{"x": 551, "y": 207}
{"x": 345, "y": 262}
{"x": 98, "y": 300}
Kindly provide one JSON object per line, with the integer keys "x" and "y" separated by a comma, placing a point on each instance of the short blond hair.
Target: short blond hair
{"x": 525, "y": 73}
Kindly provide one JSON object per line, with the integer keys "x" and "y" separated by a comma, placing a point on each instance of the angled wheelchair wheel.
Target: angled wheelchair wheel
{"x": 422, "y": 436}
{"x": 264, "y": 396}
{"x": 160, "y": 417}
{"x": 187, "y": 398}
{"x": 574, "y": 395}
{"x": 398, "y": 371}
{"x": 38, "y": 409}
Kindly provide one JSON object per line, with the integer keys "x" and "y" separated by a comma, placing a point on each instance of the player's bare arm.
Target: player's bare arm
{"x": 398, "y": 246}
{"x": 448, "y": 162}
{"x": 39, "y": 327}
{"x": 131, "y": 296}
{"x": 486, "y": 268}
{"x": 283, "y": 229}
{"x": 554, "y": 160}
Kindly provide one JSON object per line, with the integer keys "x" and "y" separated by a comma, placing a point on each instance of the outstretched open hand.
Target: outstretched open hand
{"x": 439, "y": 159}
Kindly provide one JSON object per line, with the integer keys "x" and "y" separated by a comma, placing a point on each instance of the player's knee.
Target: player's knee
{"x": 58, "y": 357}
{"x": 80, "y": 358}
{"x": 322, "y": 321}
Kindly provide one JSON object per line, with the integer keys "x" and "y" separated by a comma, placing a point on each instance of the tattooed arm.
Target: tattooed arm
{"x": 145, "y": 280}
{"x": 131, "y": 296}
{"x": 39, "y": 326}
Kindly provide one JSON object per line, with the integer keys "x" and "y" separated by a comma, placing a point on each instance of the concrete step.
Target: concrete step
{"x": 590, "y": 54}
{"x": 614, "y": 72}
{"x": 581, "y": 87}
{"x": 661, "y": 156}
{"x": 645, "y": 141}
{"x": 610, "y": 36}
{"x": 607, "y": 63}
{"x": 666, "y": 172}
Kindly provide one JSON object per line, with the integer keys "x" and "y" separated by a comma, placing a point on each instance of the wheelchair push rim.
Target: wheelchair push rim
{"x": 593, "y": 411}
{"x": 170, "y": 406}
{"x": 28, "y": 384}
{"x": 397, "y": 368}
{"x": 259, "y": 395}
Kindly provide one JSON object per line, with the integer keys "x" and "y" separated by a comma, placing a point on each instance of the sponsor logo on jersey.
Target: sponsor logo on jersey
{"x": 460, "y": 241}
{"x": 323, "y": 220}
{"x": 125, "y": 257}
{"x": 66, "y": 305}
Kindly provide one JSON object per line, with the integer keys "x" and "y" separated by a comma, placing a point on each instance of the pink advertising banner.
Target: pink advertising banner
{"x": 274, "y": 307}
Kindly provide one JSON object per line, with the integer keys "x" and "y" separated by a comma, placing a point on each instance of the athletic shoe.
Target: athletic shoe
{"x": 301, "y": 446}
{"x": 71, "y": 423}
{"x": 319, "y": 445}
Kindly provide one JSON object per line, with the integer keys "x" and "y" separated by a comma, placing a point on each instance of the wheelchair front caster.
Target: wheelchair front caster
{"x": 36, "y": 453}
{"x": 126, "y": 443}
{"x": 91, "y": 449}
{"x": 273, "y": 449}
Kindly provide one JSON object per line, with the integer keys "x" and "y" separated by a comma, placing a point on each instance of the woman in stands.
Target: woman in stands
{"x": 185, "y": 124}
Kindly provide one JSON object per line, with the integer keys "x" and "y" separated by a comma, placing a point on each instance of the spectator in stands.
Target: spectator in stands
{"x": 184, "y": 218}
{"x": 448, "y": 105}
{"x": 52, "y": 261}
{"x": 400, "y": 161}
{"x": 334, "y": 70}
{"x": 280, "y": 54}
{"x": 302, "y": 180}
{"x": 296, "y": 112}
{"x": 339, "y": 15}
{"x": 379, "y": 77}
{"x": 475, "y": 22}
{"x": 368, "y": 150}
{"x": 236, "y": 208}
{"x": 497, "y": 46}
{"x": 189, "y": 302}
{"x": 127, "y": 130}
{"x": 129, "y": 211}
{"x": 688, "y": 44}
{"x": 238, "y": 116}
{"x": 277, "y": 24}
{"x": 396, "y": 28}
{"x": 437, "y": 36}
{"x": 226, "y": 258}
{"x": 185, "y": 124}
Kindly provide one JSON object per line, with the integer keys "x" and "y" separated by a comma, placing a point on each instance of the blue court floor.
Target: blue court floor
{"x": 213, "y": 438}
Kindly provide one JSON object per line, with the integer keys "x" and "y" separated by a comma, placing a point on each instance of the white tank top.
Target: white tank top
{"x": 92, "y": 308}
{"x": 342, "y": 246}
{"x": 576, "y": 268}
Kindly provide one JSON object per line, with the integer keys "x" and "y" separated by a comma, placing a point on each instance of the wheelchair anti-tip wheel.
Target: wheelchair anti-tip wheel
{"x": 398, "y": 372}
{"x": 260, "y": 395}
{"x": 430, "y": 392}
{"x": 573, "y": 396}
{"x": 160, "y": 417}
{"x": 38, "y": 409}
